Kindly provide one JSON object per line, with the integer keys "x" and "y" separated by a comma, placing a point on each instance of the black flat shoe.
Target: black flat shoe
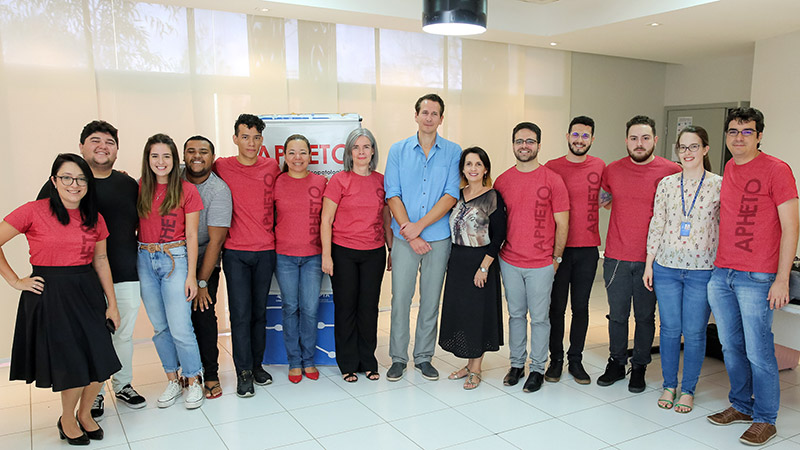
{"x": 96, "y": 435}
{"x": 513, "y": 376}
{"x": 83, "y": 439}
{"x": 533, "y": 383}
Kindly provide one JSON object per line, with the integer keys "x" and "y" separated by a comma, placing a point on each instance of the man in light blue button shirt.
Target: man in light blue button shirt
{"x": 422, "y": 185}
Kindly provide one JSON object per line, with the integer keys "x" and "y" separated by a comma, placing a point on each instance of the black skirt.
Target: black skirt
{"x": 472, "y": 317}
{"x": 60, "y": 339}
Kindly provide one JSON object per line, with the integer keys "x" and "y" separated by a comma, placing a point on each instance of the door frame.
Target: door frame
{"x": 727, "y": 105}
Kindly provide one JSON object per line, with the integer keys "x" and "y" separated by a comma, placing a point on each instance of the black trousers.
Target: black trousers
{"x": 205, "y": 328}
{"x": 356, "y": 282}
{"x": 574, "y": 278}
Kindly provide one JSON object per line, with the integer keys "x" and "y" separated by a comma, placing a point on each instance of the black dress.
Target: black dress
{"x": 472, "y": 317}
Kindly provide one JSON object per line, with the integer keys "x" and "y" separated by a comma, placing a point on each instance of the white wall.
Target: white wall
{"x": 710, "y": 80}
{"x": 775, "y": 91}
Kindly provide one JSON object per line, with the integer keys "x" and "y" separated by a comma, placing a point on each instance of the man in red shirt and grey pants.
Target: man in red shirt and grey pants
{"x": 632, "y": 182}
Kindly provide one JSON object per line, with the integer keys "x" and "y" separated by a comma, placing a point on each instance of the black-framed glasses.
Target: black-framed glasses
{"x": 584, "y": 136}
{"x": 692, "y": 147}
{"x": 733, "y": 132}
{"x": 67, "y": 180}
{"x": 525, "y": 141}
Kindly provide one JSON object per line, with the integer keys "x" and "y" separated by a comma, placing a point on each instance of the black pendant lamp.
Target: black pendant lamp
{"x": 454, "y": 17}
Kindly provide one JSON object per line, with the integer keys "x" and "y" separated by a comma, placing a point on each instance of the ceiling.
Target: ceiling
{"x": 689, "y": 30}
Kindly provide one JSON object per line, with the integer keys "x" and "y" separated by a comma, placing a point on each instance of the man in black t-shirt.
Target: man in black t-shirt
{"x": 116, "y": 199}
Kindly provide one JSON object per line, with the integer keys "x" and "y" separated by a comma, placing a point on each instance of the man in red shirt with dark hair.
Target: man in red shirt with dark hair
{"x": 757, "y": 242}
{"x": 632, "y": 182}
{"x": 249, "y": 255}
{"x": 574, "y": 278}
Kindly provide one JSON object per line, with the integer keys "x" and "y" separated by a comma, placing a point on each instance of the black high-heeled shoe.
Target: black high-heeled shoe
{"x": 96, "y": 435}
{"x": 83, "y": 439}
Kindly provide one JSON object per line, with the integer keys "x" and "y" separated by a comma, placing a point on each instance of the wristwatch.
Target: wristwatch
{"x": 202, "y": 284}
{"x": 557, "y": 259}
{"x": 484, "y": 269}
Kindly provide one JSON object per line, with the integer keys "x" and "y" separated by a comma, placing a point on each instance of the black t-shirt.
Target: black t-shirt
{"x": 116, "y": 198}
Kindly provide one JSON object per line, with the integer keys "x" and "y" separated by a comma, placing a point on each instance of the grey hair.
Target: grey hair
{"x": 347, "y": 160}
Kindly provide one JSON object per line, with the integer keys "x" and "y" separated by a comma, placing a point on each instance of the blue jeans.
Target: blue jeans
{"x": 528, "y": 291}
{"x": 299, "y": 278}
{"x": 248, "y": 275}
{"x": 739, "y": 303}
{"x": 164, "y": 298}
{"x": 683, "y": 309}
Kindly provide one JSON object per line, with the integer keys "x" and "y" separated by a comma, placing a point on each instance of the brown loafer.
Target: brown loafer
{"x": 729, "y": 416}
{"x": 759, "y": 433}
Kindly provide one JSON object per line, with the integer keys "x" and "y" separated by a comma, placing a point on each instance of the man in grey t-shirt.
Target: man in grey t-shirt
{"x": 215, "y": 219}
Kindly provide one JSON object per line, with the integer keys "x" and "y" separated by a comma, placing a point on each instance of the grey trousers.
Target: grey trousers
{"x": 405, "y": 266}
{"x": 528, "y": 291}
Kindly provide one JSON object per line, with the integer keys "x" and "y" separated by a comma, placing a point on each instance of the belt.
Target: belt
{"x": 155, "y": 248}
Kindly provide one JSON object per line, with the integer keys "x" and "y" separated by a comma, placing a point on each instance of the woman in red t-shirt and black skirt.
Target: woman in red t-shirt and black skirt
{"x": 61, "y": 338}
{"x": 355, "y": 228}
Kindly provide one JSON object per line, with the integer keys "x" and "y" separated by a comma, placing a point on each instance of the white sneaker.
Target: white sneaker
{"x": 171, "y": 393}
{"x": 195, "y": 395}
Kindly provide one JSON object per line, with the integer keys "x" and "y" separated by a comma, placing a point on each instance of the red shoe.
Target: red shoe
{"x": 295, "y": 378}
{"x": 312, "y": 375}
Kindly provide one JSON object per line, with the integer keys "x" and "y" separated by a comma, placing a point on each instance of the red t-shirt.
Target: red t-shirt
{"x": 171, "y": 227}
{"x": 531, "y": 200}
{"x": 583, "y": 184}
{"x": 749, "y": 227}
{"x": 252, "y": 190}
{"x": 298, "y": 206}
{"x": 359, "y": 216}
{"x": 54, "y": 244}
{"x": 633, "y": 190}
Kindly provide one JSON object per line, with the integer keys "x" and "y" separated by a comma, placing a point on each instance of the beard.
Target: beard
{"x": 642, "y": 158}
{"x": 202, "y": 173}
{"x": 577, "y": 152}
{"x": 532, "y": 156}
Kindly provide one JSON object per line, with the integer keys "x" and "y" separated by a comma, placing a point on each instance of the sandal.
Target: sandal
{"x": 470, "y": 383}
{"x": 457, "y": 375}
{"x": 686, "y": 409}
{"x": 213, "y": 391}
{"x": 373, "y": 376}
{"x": 667, "y": 402}
{"x": 350, "y": 377}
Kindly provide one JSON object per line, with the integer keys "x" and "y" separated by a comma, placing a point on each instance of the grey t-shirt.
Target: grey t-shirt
{"x": 217, "y": 210}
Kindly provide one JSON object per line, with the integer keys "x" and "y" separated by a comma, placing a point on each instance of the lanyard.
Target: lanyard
{"x": 683, "y": 201}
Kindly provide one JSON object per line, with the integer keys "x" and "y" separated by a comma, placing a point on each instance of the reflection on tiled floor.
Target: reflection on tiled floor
{"x": 410, "y": 414}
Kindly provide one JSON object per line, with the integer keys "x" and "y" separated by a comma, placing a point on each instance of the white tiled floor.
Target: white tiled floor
{"x": 410, "y": 414}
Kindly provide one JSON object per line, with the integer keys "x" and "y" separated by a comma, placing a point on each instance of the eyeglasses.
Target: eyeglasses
{"x": 526, "y": 141}
{"x": 693, "y": 148}
{"x": 67, "y": 180}
{"x": 584, "y": 136}
{"x": 733, "y": 132}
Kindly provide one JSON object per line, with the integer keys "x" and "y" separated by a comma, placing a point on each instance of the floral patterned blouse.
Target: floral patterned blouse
{"x": 697, "y": 250}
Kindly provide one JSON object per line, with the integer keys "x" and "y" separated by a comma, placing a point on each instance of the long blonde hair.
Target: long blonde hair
{"x": 172, "y": 199}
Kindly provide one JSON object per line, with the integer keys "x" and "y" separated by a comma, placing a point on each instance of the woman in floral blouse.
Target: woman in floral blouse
{"x": 681, "y": 246}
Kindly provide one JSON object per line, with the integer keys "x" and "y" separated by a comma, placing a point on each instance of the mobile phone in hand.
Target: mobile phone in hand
{"x": 110, "y": 326}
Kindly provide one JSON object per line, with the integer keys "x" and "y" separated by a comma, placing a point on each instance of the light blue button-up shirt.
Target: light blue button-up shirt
{"x": 421, "y": 181}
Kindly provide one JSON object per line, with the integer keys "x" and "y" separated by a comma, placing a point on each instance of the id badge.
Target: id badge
{"x": 686, "y": 228}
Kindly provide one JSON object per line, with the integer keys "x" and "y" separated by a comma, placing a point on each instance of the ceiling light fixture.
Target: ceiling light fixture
{"x": 654, "y": 24}
{"x": 454, "y": 17}
{"x": 553, "y": 44}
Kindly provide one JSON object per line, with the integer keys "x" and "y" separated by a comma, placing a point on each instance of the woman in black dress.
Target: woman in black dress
{"x": 471, "y": 310}
{"x": 60, "y": 338}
